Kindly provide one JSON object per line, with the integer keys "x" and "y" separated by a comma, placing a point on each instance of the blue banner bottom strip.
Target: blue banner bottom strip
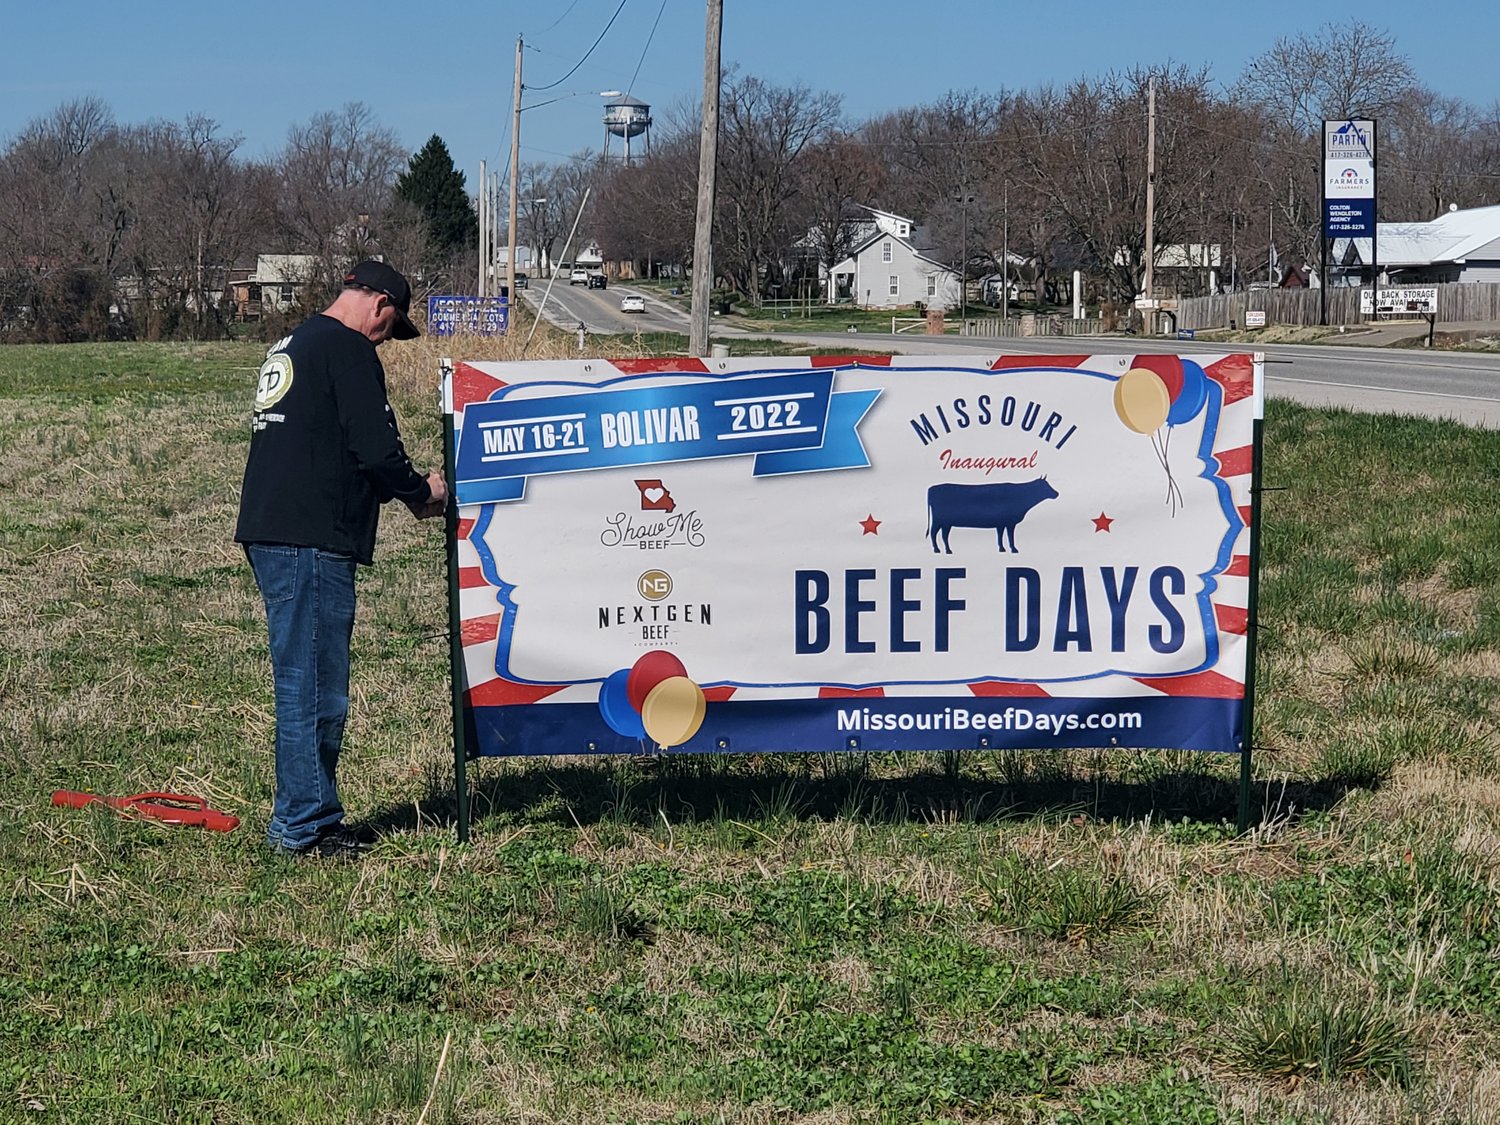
{"x": 865, "y": 723}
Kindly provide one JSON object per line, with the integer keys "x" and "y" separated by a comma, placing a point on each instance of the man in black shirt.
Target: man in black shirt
{"x": 325, "y": 453}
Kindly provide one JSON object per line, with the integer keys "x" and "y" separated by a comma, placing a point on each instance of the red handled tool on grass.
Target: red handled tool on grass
{"x": 171, "y": 808}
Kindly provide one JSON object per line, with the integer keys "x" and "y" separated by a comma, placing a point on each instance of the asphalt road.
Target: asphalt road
{"x": 1461, "y": 386}
{"x": 599, "y": 309}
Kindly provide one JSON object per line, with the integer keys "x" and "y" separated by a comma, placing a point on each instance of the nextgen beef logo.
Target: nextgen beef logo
{"x": 654, "y": 615}
{"x": 666, "y": 527}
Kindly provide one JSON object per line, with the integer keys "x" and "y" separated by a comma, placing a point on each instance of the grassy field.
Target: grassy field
{"x": 1031, "y": 937}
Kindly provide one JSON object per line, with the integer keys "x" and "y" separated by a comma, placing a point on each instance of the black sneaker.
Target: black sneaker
{"x": 341, "y": 842}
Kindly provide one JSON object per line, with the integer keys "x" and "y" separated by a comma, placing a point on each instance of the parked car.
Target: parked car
{"x": 578, "y": 277}
{"x": 598, "y": 281}
{"x": 633, "y": 302}
{"x": 522, "y": 281}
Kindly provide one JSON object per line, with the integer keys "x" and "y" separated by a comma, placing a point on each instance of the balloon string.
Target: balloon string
{"x": 1174, "y": 490}
{"x": 1160, "y": 445}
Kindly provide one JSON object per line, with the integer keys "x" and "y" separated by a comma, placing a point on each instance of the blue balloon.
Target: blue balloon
{"x": 1191, "y": 399}
{"x": 614, "y": 704}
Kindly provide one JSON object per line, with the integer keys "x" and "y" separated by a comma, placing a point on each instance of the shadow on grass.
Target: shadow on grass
{"x": 974, "y": 787}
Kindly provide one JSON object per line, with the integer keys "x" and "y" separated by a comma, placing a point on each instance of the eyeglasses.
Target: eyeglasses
{"x": 372, "y": 289}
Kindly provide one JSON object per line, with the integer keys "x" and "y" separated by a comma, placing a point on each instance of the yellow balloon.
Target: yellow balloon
{"x": 1142, "y": 400}
{"x": 673, "y": 711}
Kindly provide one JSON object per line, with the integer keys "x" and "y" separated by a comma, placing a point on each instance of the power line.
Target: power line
{"x": 564, "y": 16}
{"x": 647, "y": 47}
{"x": 586, "y": 54}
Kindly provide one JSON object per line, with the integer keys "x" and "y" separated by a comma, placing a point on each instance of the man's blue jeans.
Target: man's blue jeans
{"x": 309, "y": 596}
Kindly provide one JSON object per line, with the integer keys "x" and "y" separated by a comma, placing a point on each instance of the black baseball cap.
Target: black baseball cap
{"x": 383, "y": 279}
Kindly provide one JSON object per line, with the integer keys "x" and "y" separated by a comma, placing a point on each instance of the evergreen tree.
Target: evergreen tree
{"x": 436, "y": 188}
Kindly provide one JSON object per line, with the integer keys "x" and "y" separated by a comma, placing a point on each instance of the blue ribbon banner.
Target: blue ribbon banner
{"x": 790, "y": 423}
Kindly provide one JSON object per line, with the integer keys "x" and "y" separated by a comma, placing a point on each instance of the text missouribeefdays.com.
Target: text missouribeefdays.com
{"x": 961, "y": 718}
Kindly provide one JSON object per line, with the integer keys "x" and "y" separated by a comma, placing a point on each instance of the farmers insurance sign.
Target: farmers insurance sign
{"x": 878, "y": 553}
{"x": 1349, "y": 179}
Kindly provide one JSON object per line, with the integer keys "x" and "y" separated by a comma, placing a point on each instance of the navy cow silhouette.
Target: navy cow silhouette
{"x": 1000, "y": 506}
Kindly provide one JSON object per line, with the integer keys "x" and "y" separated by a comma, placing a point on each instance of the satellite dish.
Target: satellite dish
{"x": 1453, "y": 207}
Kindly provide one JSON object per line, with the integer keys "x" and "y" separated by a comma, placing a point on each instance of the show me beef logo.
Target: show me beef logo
{"x": 664, "y": 527}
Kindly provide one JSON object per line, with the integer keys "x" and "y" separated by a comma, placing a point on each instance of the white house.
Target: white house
{"x": 274, "y": 285}
{"x": 1458, "y": 245}
{"x": 886, "y": 270}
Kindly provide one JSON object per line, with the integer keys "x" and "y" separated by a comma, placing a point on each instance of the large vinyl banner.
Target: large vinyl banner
{"x": 908, "y": 552}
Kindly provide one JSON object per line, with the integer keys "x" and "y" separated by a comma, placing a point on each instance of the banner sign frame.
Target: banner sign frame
{"x": 1188, "y": 423}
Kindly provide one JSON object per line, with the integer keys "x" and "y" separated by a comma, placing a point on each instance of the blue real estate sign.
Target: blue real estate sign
{"x": 468, "y": 316}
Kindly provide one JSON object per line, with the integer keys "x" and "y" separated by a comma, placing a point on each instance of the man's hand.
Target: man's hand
{"x": 434, "y": 505}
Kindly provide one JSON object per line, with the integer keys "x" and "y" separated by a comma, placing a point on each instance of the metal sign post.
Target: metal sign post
{"x": 455, "y": 623}
{"x": 1252, "y": 602}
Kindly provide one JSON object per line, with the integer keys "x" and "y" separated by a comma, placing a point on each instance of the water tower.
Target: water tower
{"x": 626, "y": 117}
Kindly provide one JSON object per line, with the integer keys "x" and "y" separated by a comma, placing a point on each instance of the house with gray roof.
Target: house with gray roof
{"x": 886, "y": 269}
{"x": 1458, "y": 245}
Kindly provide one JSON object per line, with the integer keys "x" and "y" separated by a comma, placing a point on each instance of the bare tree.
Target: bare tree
{"x": 64, "y": 221}
{"x": 336, "y": 168}
{"x": 1082, "y": 156}
{"x": 645, "y": 211}
{"x": 1432, "y": 156}
{"x": 540, "y": 212}
{"x": 196, "y": 213}
{"x": 1341, "y": 70}
{"x": 840, "y": 177}
{"x": 764, "y": 130}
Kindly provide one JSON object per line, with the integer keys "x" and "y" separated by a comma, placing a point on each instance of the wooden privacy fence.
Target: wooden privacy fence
{"x": 1047, "y": 325}
{"x": 1466, "y": 301}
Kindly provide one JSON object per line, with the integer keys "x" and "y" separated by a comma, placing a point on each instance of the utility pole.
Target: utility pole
{"x": 708, "y": 158}
{"x": 1005, "y": 250}
{"x": 1375, "y": 228}
{"x": 515, "y": 157}
{"x": 1271, "y": 246}
{"x": 484, "y": 224}
{"x": 1150, "y": 201}
{"x": 963, "y": 267}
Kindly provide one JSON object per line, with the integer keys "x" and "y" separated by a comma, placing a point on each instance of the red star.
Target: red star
{"x": 870, "y": 523}
{"x": 1102, "y": 522}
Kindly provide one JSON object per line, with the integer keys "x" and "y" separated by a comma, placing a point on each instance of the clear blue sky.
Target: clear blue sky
{"x": 445, "y": 67}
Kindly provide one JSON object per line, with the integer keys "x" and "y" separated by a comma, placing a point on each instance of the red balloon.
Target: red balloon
{"x": 1167, "y": 367}
{"x": 651, "y": 669}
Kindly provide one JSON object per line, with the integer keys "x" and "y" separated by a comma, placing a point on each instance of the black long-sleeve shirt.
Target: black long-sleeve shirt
{"x": 325, "y": 451}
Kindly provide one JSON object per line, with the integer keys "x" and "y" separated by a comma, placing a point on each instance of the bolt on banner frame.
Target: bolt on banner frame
{"x": 665, "y": 555}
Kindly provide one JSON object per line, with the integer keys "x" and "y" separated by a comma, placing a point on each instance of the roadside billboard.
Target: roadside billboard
{"x": 845, "y": 553}
{"x": 1349, "y": 179}
{"x": 1414, "y": 300}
